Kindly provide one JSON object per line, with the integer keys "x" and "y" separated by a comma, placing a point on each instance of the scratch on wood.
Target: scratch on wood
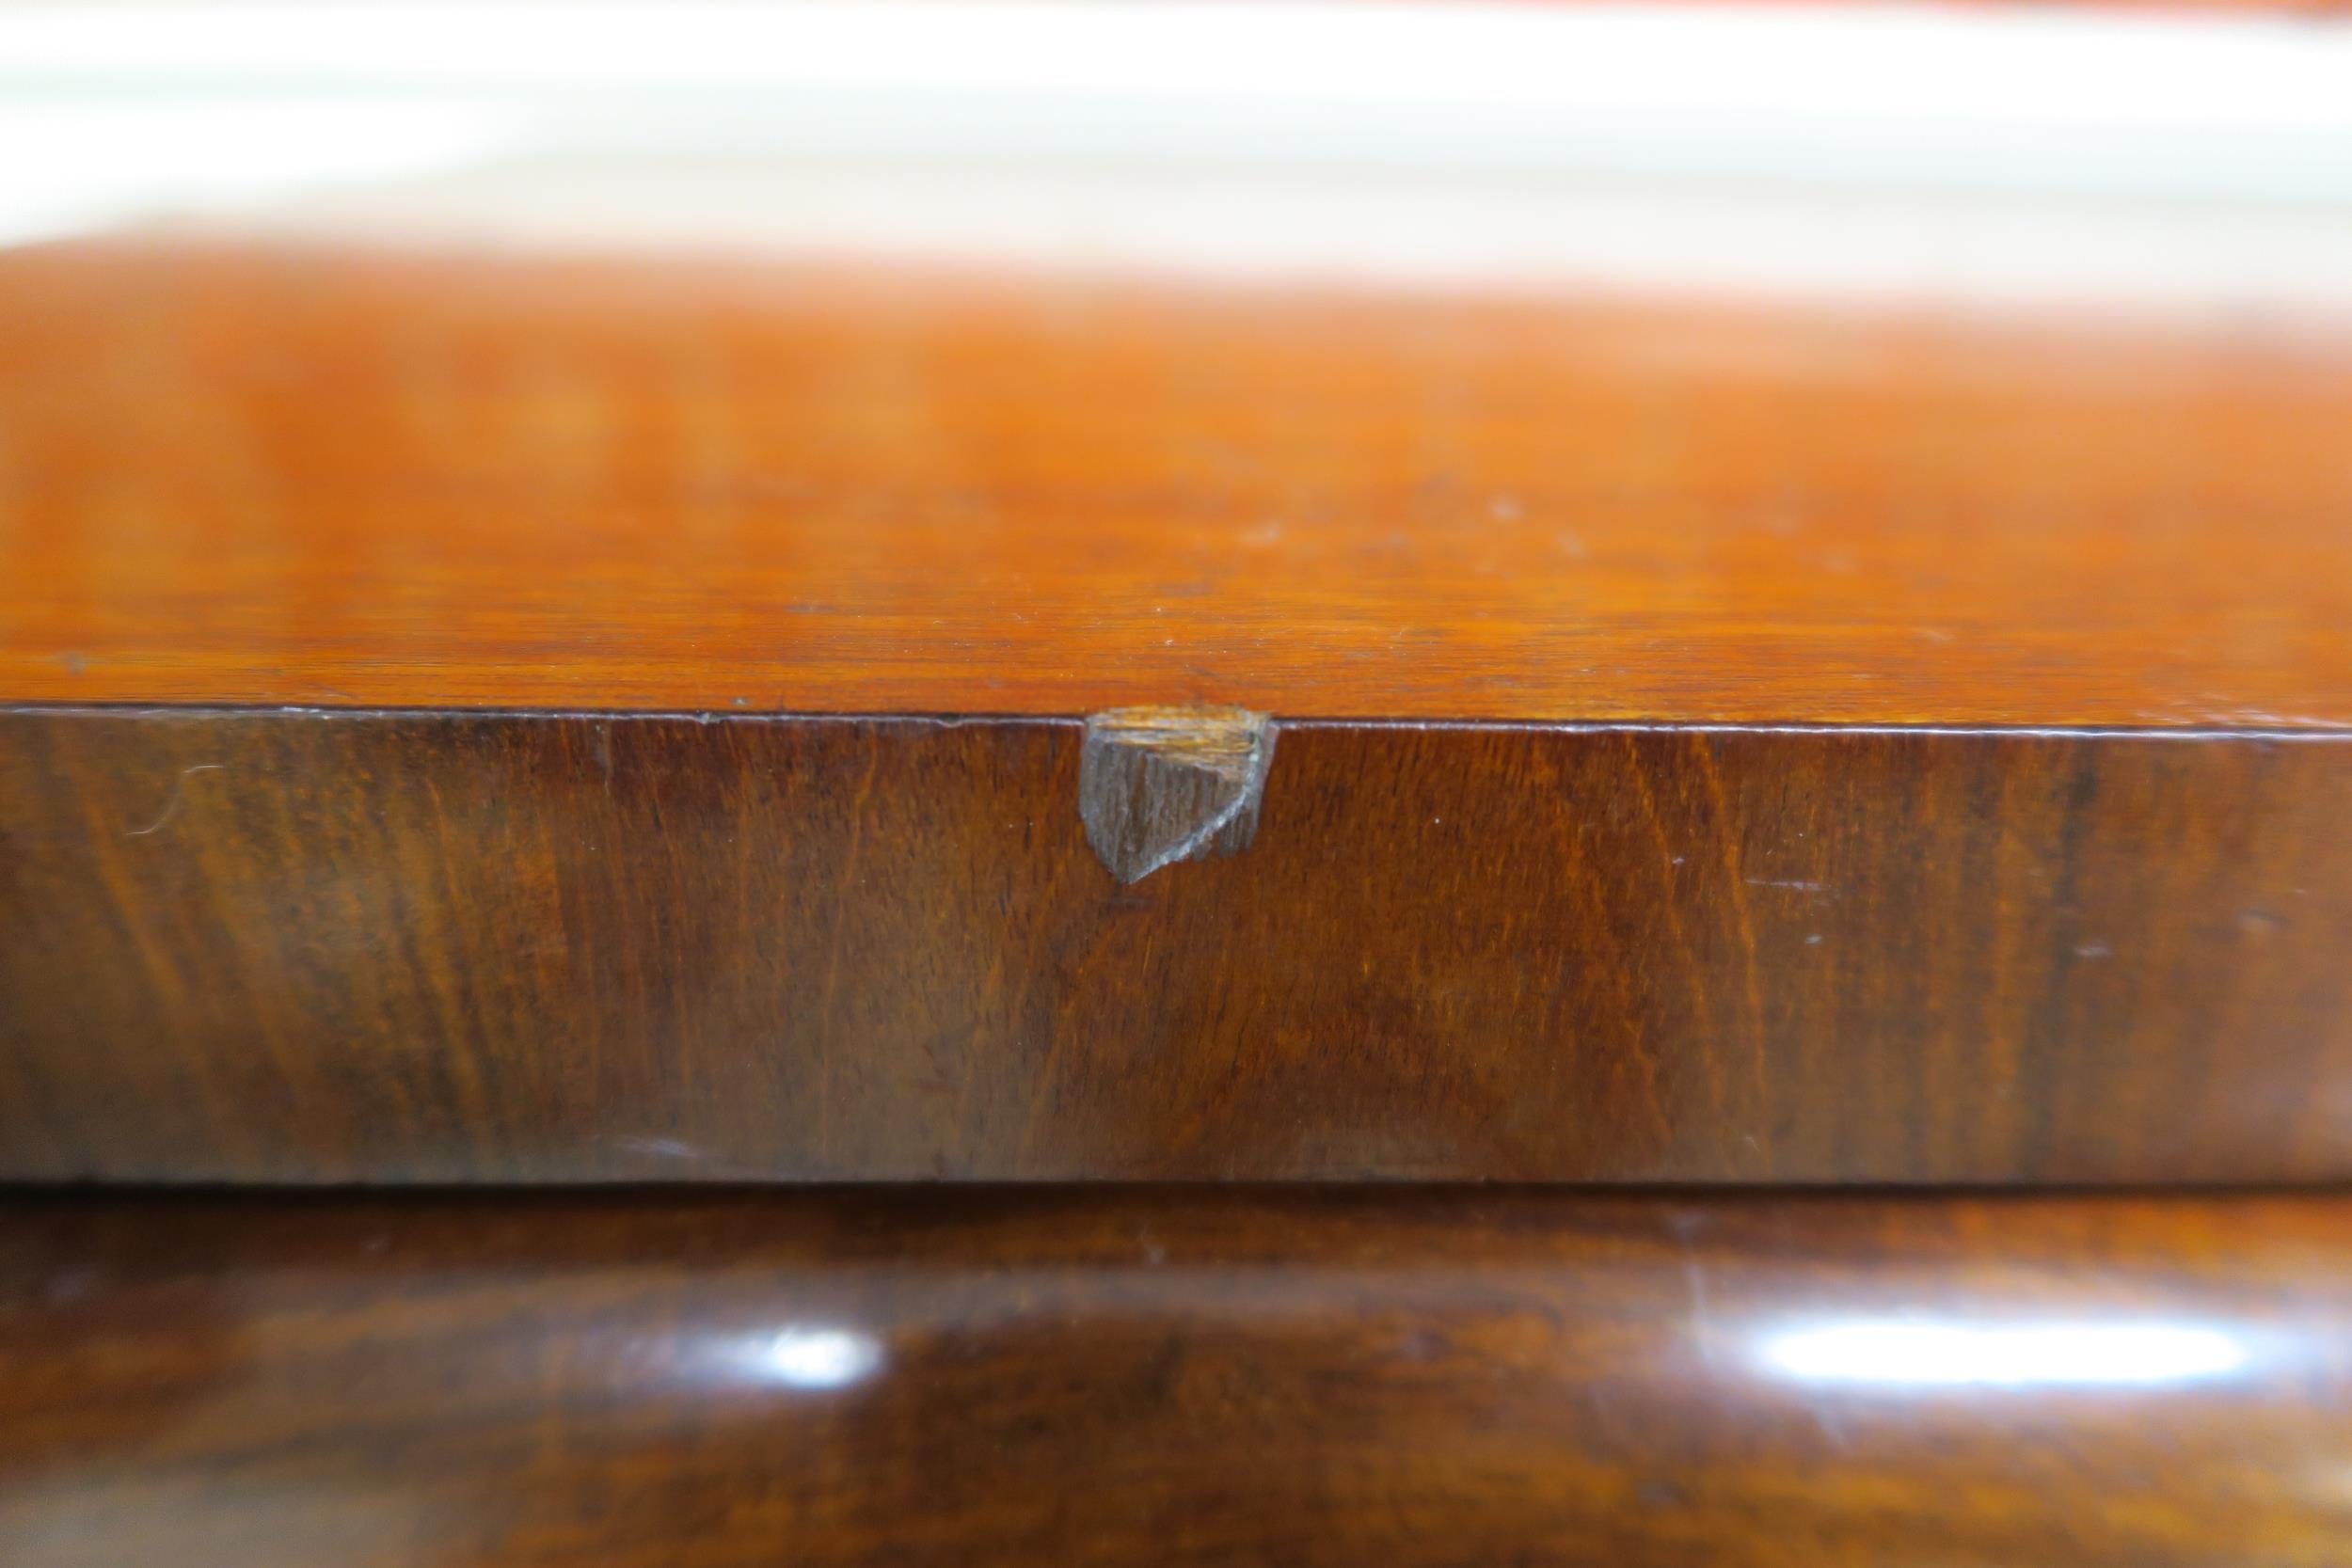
{"x": 178, "y": 791}
{"x": 1162, "y": 784}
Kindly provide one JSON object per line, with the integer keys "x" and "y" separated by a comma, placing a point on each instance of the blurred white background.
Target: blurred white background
{"x": 2167, "y": 161}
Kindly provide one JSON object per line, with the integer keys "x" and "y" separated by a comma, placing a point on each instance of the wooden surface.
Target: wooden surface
{"x": 308, "y": 478}
{"x": 455, "y": 948}
{"x": 969, "y": 1378}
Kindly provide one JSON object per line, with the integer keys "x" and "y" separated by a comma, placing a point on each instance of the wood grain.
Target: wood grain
{"x": 306, "y": 477}
{"x": 289, "y": 947}
{"x": 970, "y": 1377}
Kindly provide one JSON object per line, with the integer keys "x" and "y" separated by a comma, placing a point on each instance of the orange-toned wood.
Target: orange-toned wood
{"x": 313, "y": 478}
{"x": 971, "y": 1378}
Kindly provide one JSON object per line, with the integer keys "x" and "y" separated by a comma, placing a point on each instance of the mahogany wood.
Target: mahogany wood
{"x": 337, "y": 947}
{"x": 972, "y": 1377}
{"x": 248, "y": 476}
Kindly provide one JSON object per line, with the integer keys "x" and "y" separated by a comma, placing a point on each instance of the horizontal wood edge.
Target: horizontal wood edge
{"x": 945, "y": 719}
{"x": 271, "y": 946}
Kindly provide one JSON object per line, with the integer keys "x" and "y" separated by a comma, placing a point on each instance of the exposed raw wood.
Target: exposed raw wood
{"x": 1157, "y": 785}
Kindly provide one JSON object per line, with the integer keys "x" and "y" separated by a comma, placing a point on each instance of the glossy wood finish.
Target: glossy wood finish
{"x": 970, "y": 1377}
{"x": 318, "y": 478}
{"x": 454, "y": 948}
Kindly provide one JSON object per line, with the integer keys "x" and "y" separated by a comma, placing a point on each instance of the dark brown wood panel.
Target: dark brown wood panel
{"x": 320, "y": 947}
{"x": 309, "y": 477}
{"x": 968, "y": 1377}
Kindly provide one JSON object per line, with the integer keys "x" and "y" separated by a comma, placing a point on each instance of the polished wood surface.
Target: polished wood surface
{"x": 317, "y": 478}
{"x": 301, "y": 948}
{"x": 1403, "y": 1377}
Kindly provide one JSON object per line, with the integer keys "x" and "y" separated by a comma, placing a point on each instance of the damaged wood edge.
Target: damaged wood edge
{"x": 1157, "y": 785}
